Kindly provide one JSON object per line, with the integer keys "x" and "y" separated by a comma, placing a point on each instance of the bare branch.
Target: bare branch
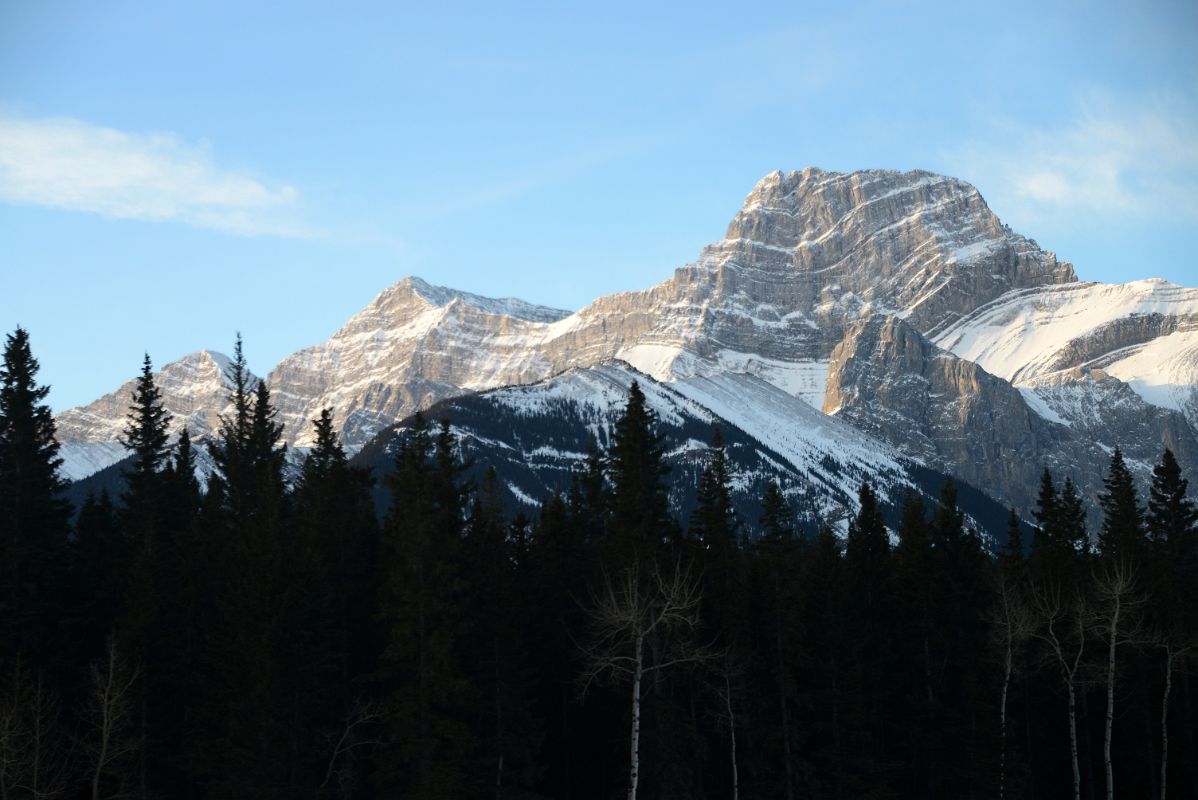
{"x": 362, "y": 714}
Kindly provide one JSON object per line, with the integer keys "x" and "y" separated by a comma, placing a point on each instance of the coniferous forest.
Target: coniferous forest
{"x": 268, "y": 637}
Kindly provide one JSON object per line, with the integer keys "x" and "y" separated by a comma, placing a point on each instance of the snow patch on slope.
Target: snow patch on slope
{"x": 1164, "y": 372}
{"x": 1023, "y": 335}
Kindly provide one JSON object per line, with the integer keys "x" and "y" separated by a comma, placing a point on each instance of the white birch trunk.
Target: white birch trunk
{"x": 731, "y": 737}
{"x": 634, "y": 760}
{"x": 105, "y": 710}
{"x": 1002, "y": 715}
{"x": 1165, "y": 721}
{"x": 1113, "y": 642}
{"x": 1077, "y": 773}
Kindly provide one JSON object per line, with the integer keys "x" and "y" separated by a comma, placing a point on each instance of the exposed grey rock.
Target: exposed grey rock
{"x": 824, "y": 280}
{"x": 891, "y": 382}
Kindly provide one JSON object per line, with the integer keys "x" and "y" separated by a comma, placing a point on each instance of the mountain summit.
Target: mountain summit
{"x": 993, "y": 359}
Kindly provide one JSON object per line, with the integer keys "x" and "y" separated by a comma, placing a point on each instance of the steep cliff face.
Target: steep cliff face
{"x": 890, "y": 381}
{"x": 921, "y": 245}
{"x": 808, "y": 254}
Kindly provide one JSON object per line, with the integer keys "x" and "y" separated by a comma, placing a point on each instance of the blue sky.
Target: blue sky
{"x": 171, "y": 173}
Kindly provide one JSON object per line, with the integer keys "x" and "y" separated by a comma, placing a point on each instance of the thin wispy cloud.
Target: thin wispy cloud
{"x": 1131, "y": 159}
{"x": 73, "y": 165}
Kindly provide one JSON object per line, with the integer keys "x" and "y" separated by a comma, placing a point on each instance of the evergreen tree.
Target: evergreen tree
{"x": 422, "y": 615}
{"x": 827, "y": 719}
{"x": 715, "y": 540}
{"x": 1172, "y": 516}
{"x": 495, "y": 557}
{"x": 640, "y": 520}
{"x": 779, "y": 556}
{"x": 1046, "y": 516}
{"x": 329, "y": 640}
{"x": 246, "y": 709}
{"x": 99, "y": 553}
{"x": 715, "y": 533}
{"x": 1012, "y": 554}
{"x": 577, "y": 746}
{"x": 866, "y": 596}
{"x": 915, "y": 663}
{"x": 229, "y": 485}
{"x": 1122, "y": 537}
{"x": 173, "y": 689}
{"x": 34, "y": 517}
{"x": 145, "y": 574}
{"x": 589, "y": 498}
{"x": 145, "y": 436}
{"x": 1059, "y": 541}
{"x": 1071, "y": 520}
{"x": 777, "y": 519}
{"x": 713, "y": 524}
{"x": 182, "y": 488}
{"x": 1172, "y": 524}
{"x": 867, "y": 547}
{"x": 962, "y": 598}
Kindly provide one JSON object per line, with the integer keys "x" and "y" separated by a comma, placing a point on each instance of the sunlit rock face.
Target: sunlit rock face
{"x": 897, "y": 301}
{"x": 890, "y": 381}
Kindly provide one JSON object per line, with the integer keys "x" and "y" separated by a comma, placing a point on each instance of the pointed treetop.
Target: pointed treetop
{"x": 1172, "y": 516}
{"x": 1012, "y": 552}
{"x": 947, "y": 520}
{"x": 145, "y": 432}
{"x": 777, "y": 517}
{"x": 327, "y": 453}
{"x": 1046, "y": 504}
{"x": 1122, "y": 516}
{"x": 867, "y": 539}
{"x": 28, "y": 443}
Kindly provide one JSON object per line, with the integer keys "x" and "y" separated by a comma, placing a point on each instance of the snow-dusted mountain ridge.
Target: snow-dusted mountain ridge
{"x": 809, "y": 258}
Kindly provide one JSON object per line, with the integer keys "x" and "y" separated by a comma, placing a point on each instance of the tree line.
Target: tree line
{"x": 262, "y": 638}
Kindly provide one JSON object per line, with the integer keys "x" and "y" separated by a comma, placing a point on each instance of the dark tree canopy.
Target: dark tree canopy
{"x": 34, "y": 517}
{"x": 268, "y": 635}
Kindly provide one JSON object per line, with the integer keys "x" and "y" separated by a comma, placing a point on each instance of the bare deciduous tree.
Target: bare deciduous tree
{"x": 1011, "y": 627}
{"x": 1061, "y": 622}
{"x": 1116, "y": 618}
{"x": 643, "y": 624}
{"x": 34, "y": 762}
{"x": 1177, "y": 649}
{"x": 728, "y": 670}
{"x": 363, "y": 714}
{"x": 113, "y": 702}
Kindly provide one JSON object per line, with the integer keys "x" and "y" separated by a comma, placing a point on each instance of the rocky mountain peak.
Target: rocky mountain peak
{"x": 922, "y": 245}
{"x": 896, "y": 300}
{"x": 414, "y": 289}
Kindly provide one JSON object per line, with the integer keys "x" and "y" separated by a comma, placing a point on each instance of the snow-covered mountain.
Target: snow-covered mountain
{"x": 537, "y": 436}
{"x": 1143, "y": 333}
{"x": 993, "y": 347}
